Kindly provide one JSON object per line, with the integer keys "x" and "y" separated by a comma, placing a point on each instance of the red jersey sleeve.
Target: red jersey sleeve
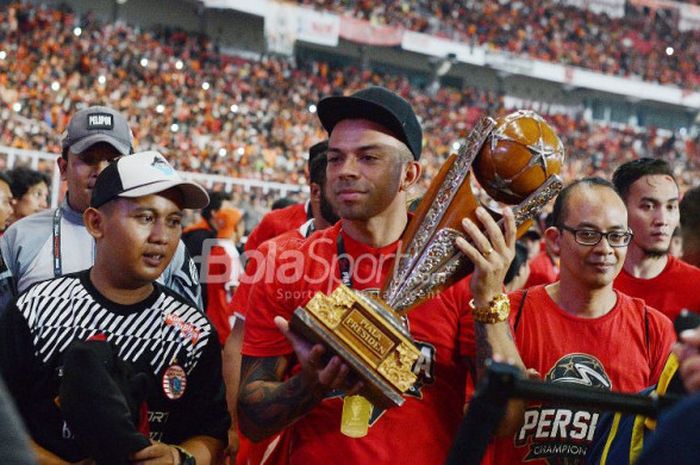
{"x": 239, "y": 301}
{"x": 262, "y": 338}
{"x": 266, "y": 299}
{"x": 259, "y": 234}
{"x": 218, "y": 309}
{"x": 276, "y": 222}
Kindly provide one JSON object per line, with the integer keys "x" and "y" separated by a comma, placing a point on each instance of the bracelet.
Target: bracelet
{"x": 496, "y": 312}
{"x": 185, "y": 457}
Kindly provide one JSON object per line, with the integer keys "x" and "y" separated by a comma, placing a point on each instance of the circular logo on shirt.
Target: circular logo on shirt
{"x": 581, "y": 369}
{"x": 174, "y": 382}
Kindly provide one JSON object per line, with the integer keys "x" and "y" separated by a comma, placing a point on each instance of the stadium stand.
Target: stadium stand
{"x": 550, "y": 31}
{"x": 225, "y": 115}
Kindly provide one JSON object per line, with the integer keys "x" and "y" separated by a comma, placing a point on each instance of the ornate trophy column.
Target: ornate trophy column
{"x": 516, "y": 160}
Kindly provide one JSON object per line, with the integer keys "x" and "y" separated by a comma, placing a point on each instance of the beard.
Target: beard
{"x": 656, "y": 252}
{"x": 327, "y": 211}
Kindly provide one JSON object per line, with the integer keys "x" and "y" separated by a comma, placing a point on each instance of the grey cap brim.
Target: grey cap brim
{"x": 87, "y": 142}
{"x": 194, "y": 196}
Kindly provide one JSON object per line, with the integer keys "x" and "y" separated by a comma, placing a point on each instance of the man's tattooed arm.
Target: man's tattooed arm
{"x": 484, "y": 351}
{"x": 487, "y": 337}
{"x": 266, "y": 405}
{"x": 497, "y": 339}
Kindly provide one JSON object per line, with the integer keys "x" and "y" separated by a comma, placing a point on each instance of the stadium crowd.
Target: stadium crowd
{"x": 103, "y": 344}
{"x": 218, "y": 114}
{"x": 550, "y": 31}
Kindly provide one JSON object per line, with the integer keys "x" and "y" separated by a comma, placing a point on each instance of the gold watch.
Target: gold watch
{"x": 497, "y": 311}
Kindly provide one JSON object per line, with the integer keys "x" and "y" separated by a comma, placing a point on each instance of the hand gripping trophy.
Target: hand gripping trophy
{"x": 516, "y": 160}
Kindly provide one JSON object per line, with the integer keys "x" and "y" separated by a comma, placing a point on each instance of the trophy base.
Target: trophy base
{"x": 376, "y": 390}
{"x": 368, "y": 336}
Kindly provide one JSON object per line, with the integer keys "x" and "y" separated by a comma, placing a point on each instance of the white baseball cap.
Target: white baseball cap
{"x": 144, "y": 173}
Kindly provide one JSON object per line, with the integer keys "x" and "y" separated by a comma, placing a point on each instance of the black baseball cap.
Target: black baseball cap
{"x": 142, "y": 174}
{"x": 379, "y": 105}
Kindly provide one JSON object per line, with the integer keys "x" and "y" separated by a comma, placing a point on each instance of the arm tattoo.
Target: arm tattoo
{"x": 266, "y": 404}
{"x": 484, "y": 348}
{"x": 484, "y": 351}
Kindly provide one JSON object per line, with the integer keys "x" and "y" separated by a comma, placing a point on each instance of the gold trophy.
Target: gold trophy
{"x": 516, "y": 160}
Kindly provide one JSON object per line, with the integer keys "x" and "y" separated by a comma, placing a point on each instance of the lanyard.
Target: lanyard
{"x": 346, "y": 273}
{"x": 343, "y": 262}
{"x": 57, "y": 268}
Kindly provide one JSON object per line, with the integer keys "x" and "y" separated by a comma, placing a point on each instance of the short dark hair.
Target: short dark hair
{"x": 216, "y": 199}
{"x": 690, "y": 209}
{"x": 558, "y": 214}
{"x": 317, "y": 170}
{"x": 23, "y": 179}
{"x": 317, "y": 162}
{"x": 6, "y": 179}
{"x": 283, "y": 202}
{"x": 626, "y": 174}
{"x": 317, "y": 150}
{"x": 519, "y": 260}
{"x": 532, "y": 235}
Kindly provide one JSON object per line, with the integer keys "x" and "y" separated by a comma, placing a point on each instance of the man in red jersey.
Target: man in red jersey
{"x": 277, "y": 221}
{"x": 324, "y": 216}
{"x": 294, "y": 216}
{"x": 651, "y": 195}
{"x": 577, "y": 330}
{"x": 375, "y": 142}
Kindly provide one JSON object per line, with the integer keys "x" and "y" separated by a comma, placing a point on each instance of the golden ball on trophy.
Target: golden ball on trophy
{"x": 521, "y": 152}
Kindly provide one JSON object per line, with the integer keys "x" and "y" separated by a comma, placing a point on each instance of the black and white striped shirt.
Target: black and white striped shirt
{"x": 151, "y": 336}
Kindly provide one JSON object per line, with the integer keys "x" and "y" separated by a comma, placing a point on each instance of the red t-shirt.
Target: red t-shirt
{"x": 624, "y": 350}
{"x": 670, "y": 292}
{"x": 442, "y": 328}
{"x": 276, "y": 222}
{"x": 542, "y": 271}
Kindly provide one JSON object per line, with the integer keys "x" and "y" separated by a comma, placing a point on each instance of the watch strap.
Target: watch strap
{"x": 185, "y": 457}
{"x": 497, "y": 310}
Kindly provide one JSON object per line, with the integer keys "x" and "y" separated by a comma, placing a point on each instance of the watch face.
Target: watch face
{"x": 503, "y": 310}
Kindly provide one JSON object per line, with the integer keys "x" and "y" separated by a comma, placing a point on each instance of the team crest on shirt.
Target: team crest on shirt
{"x": 174, "y": 382}
{"x": 556, "y": 433}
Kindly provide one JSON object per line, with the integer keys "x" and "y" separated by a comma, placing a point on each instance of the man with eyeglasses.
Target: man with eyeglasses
{"x": 651, "y": 195}
{"x": 577, "y": 330}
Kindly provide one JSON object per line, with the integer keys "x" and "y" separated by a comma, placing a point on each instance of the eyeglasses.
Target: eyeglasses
{"x": 591, "y": 237}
